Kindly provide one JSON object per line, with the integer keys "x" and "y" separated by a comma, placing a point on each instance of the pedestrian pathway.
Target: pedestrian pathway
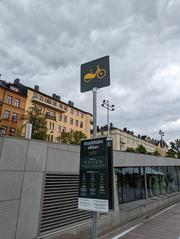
{"x": 162, "y": 225}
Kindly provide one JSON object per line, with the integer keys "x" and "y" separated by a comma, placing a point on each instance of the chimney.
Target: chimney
{"x": 17, "y": 81}
{"x": 54, "y": 96}
{"x": 36, "y": 87}
{"x": 70, "y": 103}
{"x": 58, "y": 97}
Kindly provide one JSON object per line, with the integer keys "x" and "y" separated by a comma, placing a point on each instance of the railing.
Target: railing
{"x": 41, "y": 102}
{"x": 48, "y": 116}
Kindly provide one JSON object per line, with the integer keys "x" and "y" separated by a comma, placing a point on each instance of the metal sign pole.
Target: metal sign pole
{"x": 94, "y": 225}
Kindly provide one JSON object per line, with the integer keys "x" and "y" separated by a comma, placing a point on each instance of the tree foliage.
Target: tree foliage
{"x": 73, "y": 137}
{"x": 156, "y": 153}
{"x": 131, "y": 150}
{"x": 39, "y": 124}
{"x": 141, "y": 149}
{"x": 174, "y": 151}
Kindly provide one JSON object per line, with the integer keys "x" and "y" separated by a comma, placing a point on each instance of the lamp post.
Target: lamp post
{"x": 162, "y": 134}
{"x": 109, "y": 107}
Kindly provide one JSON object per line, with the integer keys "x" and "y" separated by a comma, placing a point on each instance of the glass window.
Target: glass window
{"x": 64, "y": 129}
{"x": 4, "y": 130}
{"x": 77, "y": 113}
{"x": 41, "y": 97}
{"x": 65, "y": 108}
{"x": 17, "y": 103}
{"x": 9, "y": 100}
{"x": 82, "y": 115}
{"x": 72, "y": 111}
{"x": 14, "y": 117}
{"x": 64, "y": 118}
{"x": 54, "y": 103}
{"x": 49, "y": 101}
{"x": 76, "y": 123}
{"x": 12, "y": 131}
{"x": 61, "y": 106}
{"x": 6, "y": 115}
{"x": 35, "y": 96}
{"x": 71, "y": 121}
{"x": 60, "y": 117}
{"x": 81, "y": 124}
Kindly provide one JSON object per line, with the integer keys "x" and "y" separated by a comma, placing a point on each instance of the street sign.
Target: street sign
{"x": 95, "y": 180}
{"x": 95, "y": 74}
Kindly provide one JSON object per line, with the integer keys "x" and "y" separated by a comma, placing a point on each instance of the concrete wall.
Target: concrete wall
{"x": 23, "y": 164}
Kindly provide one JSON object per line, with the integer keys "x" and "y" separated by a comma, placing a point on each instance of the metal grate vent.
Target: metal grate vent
{"x": 60, "y": 201}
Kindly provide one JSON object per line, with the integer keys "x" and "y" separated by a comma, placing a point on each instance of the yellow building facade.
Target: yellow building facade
{"x": 60, "y": 116}
{"x": 12, "y": 108}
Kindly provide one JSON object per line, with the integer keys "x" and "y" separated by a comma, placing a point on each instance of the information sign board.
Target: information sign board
{"x": 95, "y": 74}
{"x": 95, "y": 186}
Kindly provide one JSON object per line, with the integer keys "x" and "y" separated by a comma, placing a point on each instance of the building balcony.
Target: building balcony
{"x": 36, "y": 100}
{"x": 51, "y": 117}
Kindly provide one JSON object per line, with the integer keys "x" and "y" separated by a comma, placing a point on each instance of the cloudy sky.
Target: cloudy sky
{"x": 44, "y": 42}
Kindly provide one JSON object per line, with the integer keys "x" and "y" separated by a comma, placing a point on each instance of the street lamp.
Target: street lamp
{"x": 109, "y": 107}
{"x": 162, "y": 134}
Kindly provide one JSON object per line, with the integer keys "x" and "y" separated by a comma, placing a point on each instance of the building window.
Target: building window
{"x": 65, "y": 108}
{"x": 64, "y": 129}
{"x": 49, "y": 101}
{"x": 60, "y": 117}
{"x": 81, "y": 124}
{"x": 51, "y": 126}
{"x": 59, "y": 129}
{"x": 77, "y": 113}
{"x": 35, "y": 96}
{"x": 82, "y": 115}
{"x": 71, "y": 121}
{"x": 54, "y": 103}
{"x": 4, "y": 130}
{"x": 76, "y": 123}
{"x": 64, "y": 118}
{"x": 61, "y": 106}
{"x": 14, "y": 117}
{"x": 12, "y": 131}
{"x": 17, "y": 103}
{"x": 51, "y": 138}
{"x": 41, "y": 97}
{"x": 72, "y": 111}
{"x": 6, "y": 115}
{"x": 9, "y": 100}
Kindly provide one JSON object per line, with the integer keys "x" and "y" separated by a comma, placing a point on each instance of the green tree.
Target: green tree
{"x": 39, "y": 124}
{"x": 171, "y": 153}
{"x": 141, "y": 149}
{"x": 174, "y": 151}
{"x": 131, "y": 150}
{"x": 156, "y": 153}
{"x": 73, "y": 137}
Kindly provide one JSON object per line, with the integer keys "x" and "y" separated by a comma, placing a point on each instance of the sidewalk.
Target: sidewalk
{"x": 162, "y": 225}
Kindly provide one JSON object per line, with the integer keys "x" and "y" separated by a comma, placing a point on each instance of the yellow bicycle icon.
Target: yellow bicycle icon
{"x": 100, "y": 73}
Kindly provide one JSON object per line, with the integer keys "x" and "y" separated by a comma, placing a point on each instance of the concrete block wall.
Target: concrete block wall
{"x": 23, "y": 165}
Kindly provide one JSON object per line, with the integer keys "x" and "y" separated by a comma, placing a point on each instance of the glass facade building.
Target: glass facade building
{"x": 159, "y": 180}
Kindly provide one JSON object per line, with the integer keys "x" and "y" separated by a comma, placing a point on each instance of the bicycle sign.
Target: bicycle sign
{"x": 95, "y": 74}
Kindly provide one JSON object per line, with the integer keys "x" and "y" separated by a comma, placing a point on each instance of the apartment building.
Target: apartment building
{"x": 60, "y": 116}
{"x": 123, "y": 139}
{"x": 16, "y": 99}
{"x": 12, "y": 108}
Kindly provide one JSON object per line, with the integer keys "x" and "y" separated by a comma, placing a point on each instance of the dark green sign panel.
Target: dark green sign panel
{"x": 95, "y": 169}
{"x": 95, "y": 74}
